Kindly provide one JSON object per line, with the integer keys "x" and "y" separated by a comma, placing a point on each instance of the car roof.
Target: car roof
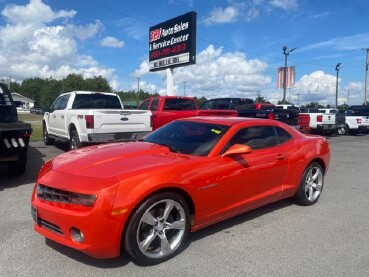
{"x": 228, "y": 121}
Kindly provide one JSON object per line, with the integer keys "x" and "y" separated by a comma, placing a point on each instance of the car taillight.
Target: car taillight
{"x": 319, "y": 118}
{"x": 26, "y": 134}
{"x": 271, "y": 116}
{"x": 89, "y": 121}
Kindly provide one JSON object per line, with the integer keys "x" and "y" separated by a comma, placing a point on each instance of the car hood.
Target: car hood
{"x": 113, "y": 160}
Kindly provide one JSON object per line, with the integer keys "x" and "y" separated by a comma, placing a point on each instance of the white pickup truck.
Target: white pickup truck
{"x": 86, "y": 117}
{"x": 357, "y": 119}
{"x": 316, "y": 121}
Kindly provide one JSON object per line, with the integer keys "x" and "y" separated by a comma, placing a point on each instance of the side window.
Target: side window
{"x": 207, "y": 105}
{"x": 283, "y": 135}
{"x": 144, "y": 105}
{"x": 57, "y": 104}
{"x": 154, "y": 104}
{"x": 64, "y": 102}
{"x": 257, "y": 137}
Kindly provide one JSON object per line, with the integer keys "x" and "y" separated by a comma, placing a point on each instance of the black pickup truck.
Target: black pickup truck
{"x": 248, "y": 108}
{"x": 14, "y": 135}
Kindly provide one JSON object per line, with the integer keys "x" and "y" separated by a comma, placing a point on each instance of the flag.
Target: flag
{"x": 290, "y": 77}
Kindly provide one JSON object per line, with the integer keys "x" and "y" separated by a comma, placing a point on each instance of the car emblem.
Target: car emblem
{"x": 124, "y": 118}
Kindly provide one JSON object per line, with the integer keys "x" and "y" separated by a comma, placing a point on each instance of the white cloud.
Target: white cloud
{"x": 247, "y": 10}
{"x": 219, "y": 15}
{"x": 35, "y": 12}
{"x": 284, "y": 4}
{"x": 33, "y": 45}
{"x": 218, "y": 74}
{"x": 85, "y": 32}
{"x": 112, "y": 42}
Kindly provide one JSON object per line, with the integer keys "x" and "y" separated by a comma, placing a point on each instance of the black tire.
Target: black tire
{"x": 47, "y": 139}
{"x": 311, "y": 185}
{"x": 74, "y": 142}
{"x": 342, "y": 131}
{"x": 162, "y": 220}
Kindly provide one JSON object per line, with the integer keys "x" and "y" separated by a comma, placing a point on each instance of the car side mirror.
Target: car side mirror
{"x": 237, "y": 149}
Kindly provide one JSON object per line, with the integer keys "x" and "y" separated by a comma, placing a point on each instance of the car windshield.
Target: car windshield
{"x": 192, "y": 138}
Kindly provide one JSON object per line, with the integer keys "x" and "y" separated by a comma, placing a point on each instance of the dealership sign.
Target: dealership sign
{"x": 173, "y": 43}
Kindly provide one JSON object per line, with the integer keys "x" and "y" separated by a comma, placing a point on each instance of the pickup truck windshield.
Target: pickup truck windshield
{"x": 96, "y": 101}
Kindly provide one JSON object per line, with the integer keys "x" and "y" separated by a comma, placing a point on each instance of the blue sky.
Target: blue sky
{"x": 239, "y": 45}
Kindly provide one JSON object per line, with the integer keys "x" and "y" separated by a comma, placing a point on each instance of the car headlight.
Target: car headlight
{"x": 87, "y": 200}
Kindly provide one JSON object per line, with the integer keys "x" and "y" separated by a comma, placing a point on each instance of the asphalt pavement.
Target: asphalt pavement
{"x": 330, "y": 238}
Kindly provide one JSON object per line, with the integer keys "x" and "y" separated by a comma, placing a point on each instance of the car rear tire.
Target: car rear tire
{"x": 47, "y": 139}
{"x": 74, "y": 142}
{"x": 158, "y": 228}
{"x": 311, "y": 185}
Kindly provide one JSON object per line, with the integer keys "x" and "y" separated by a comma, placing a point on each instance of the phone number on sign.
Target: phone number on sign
{"x": 168, "y": 51}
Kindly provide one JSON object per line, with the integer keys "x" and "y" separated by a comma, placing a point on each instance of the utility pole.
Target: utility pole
{"x": 138, "y": 84}
{"x": 184, "y": 88}
{"x": 285, "y": 53}
{"x": 298, "y": 98}
{"x": 338, "y": 67}
{"x": 366, "y": 73}
{"x": 348, "y": 97}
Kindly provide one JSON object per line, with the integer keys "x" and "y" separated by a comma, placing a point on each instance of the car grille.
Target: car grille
{"x": 55, "y": 195}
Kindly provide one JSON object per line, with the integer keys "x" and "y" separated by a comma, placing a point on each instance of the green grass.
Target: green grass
{"x": 36, "y": 123}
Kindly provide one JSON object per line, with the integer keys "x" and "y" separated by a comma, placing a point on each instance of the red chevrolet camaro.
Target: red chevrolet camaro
{"x": 144, "y": 197}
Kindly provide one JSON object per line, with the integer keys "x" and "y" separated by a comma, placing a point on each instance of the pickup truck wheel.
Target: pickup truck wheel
{"x": 342, "y": 131}
{"x": 74, "y": 142}
{"x": 311, "y": 185}
{"x": 47, "y": 139}
{"x": 158, "y": 229}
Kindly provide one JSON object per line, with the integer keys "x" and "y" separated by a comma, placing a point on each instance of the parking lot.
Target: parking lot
{"x": 282, "y": 239}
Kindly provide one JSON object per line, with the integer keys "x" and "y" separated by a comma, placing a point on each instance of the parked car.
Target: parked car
{"x": 38, "y": 110}
{"x": 165, "y": 109}
{"x": 145, "y": 197}
{"x": 87, "y": 117}
{"x": 248, "y": 108}
{"x": 315, "y": 121}
{"x": 357, "y": 119}
{"x": 340, "y": 119}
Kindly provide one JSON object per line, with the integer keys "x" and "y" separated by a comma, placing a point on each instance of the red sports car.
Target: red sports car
{"x": 145, "y": 197}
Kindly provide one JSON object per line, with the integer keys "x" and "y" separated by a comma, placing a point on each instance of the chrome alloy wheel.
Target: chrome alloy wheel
{"x": 313, "y": 183}
{"x": 161, "y": 229}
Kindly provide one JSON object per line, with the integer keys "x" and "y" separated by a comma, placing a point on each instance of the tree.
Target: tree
{"x": 73, "y": 82}
{"x": 97, "y": 84}
{"x": 260, "y": 99}
{"x": 281, "y": 102}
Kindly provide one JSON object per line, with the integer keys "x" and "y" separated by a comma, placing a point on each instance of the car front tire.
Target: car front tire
{"x": 47, "y": 139}
{"x": 158, "y": 228}
{"x": 311, "y": 185}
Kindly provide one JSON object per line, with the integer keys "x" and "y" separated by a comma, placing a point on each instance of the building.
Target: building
{"x": 22, "y": 102}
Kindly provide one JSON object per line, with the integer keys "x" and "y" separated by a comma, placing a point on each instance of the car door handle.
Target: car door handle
{"x": 281, "y": 156}
{"x": 62, "y": 116}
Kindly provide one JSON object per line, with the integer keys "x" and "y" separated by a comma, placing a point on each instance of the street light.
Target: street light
{"x": 338, "y": 67}
{"x": 366, "y": 74}
{"x": 285, "y": 53}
